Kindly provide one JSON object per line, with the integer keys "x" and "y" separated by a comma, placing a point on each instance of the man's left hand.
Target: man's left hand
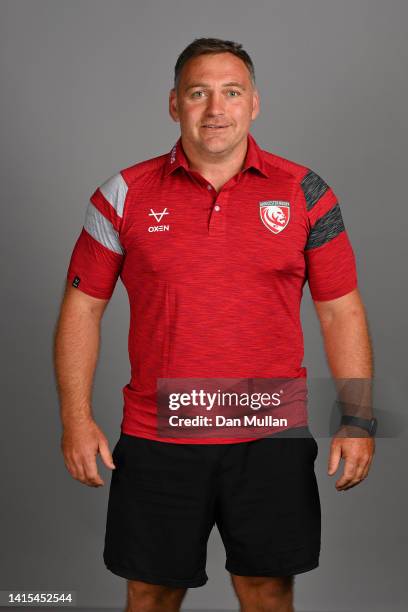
{"x": 357, "y": 452}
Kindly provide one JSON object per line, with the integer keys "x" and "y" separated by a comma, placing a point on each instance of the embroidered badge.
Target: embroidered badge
{"x": 274, "y": 214}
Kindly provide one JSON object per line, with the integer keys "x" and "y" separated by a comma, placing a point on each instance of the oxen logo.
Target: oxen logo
{"x": 275, "y": 215}
{"x": 158, "y": 216}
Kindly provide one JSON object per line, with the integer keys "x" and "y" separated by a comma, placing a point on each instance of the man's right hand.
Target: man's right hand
{"x": 80, "y": 444}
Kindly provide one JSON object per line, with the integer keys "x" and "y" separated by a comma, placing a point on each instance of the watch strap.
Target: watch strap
{"x": 369, "y": 425}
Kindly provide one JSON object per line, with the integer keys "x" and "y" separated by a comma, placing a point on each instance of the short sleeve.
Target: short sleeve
{"x": 330, "y": 259}
{"x": 98, "y": 254}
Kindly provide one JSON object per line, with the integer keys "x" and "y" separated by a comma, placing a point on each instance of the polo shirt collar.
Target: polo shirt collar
{"x": 176, "y": 158}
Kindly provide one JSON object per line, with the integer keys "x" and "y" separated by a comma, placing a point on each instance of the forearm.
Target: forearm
{"x": 347, "y": 345}
{"x": 76, "y": 349}
{"x": 350, "y": 359}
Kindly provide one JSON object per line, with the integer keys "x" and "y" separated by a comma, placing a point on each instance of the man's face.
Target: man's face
{"x": 215, "y": 103}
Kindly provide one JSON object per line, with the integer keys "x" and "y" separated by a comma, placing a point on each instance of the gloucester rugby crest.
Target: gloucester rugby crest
{"x": 275, "y": 215}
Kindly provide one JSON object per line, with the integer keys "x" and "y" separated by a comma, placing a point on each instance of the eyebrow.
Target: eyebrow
{"x": 230, "y": 84}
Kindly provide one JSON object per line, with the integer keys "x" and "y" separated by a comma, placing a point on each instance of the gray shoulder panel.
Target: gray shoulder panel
{"x": 114, "y": 191}
{"x": 102, "y": 230}
{"x": 326, "y": 228}
{"x": 313, "y": 187}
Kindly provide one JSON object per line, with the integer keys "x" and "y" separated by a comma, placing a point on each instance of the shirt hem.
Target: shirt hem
{"x": 142, "y": 434}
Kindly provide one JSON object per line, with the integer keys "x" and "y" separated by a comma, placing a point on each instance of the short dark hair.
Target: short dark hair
{"x": 203, "y": 46}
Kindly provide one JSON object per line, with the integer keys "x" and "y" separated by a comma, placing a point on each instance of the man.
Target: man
{"x": 214, "y": 242}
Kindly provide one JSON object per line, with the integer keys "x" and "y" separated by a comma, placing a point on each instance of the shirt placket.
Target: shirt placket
{"x": 217, "y": 221}
{"x": 218, "y": 204}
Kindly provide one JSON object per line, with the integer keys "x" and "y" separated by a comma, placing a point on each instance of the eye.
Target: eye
{"x": 193, "y": 95}
{"x": 233, "y": 91}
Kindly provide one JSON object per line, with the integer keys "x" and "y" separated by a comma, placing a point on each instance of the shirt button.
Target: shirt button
{"x": 209, "y": 187}
{"x": 217, "y": 208}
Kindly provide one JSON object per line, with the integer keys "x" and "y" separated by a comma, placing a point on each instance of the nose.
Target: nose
{"x": 215, "y": 104}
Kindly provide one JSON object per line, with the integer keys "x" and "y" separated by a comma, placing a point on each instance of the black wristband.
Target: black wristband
{"x": 369, "y": 425}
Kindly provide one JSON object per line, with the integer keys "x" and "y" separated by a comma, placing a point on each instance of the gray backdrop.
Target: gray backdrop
{"x": 84, "y": 94}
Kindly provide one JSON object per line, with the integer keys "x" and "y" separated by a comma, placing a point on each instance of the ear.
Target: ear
{"x": 173, "y": 110}
{"x": 256, "y": 104}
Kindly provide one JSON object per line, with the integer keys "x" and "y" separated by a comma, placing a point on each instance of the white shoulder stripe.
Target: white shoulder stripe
{"x": 114, "y": 191}
{"x": 102, "y": 230}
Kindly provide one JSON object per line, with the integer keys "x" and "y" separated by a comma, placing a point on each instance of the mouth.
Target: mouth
{"x": 210, "y": 126}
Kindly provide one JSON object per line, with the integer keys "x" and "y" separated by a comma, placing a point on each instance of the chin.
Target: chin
{"x": 216, "y": 147}
{"x": 218, "y": 142}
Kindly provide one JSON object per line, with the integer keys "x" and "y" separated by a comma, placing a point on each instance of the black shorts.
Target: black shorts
{"x": 165, "y": 498}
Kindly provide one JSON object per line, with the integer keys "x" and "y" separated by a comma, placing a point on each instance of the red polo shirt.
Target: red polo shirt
{"x": 214, "y": 280}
